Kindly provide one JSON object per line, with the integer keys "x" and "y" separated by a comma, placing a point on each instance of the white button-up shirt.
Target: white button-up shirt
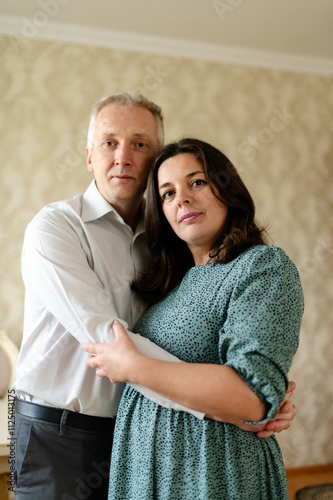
{"x": 79, "y": 258}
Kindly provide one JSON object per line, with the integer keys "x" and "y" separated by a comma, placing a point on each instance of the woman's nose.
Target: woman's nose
{"x": 183, "y": 198}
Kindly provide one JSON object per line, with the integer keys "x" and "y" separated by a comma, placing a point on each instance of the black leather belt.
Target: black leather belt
{"x": 73, "y": 419}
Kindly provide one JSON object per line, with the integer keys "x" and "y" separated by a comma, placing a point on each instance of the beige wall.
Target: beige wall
{"x": 277, "y": 128}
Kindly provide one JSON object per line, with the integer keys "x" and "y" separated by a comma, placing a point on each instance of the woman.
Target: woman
{"x": 228, "y": 305}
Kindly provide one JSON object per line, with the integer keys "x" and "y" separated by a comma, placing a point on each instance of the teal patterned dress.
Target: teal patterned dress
{"x": 245, "y": 314}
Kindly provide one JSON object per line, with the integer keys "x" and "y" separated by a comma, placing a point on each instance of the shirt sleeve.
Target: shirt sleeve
{"x": 261, "y": 332}
{"x": 57, "y": 272}
{"x": 154, "y": 351}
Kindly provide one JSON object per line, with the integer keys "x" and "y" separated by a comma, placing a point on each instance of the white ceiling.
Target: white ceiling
{"x": 295, "y": 34}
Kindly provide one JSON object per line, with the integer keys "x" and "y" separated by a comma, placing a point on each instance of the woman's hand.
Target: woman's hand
{"x": 113, "y": 359}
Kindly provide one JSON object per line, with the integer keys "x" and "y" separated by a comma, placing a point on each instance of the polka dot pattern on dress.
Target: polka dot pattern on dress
{"x": 245, "y": 314}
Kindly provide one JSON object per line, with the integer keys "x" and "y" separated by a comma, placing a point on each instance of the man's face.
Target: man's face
{"x": 125, "y": 140}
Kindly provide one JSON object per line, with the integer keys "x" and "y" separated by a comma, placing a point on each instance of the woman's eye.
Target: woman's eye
{"x": 199, "y": 182}
{"x": 167, "y": 195}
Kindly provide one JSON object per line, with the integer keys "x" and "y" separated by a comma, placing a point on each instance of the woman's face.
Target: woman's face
{"x": 189, "y": 205}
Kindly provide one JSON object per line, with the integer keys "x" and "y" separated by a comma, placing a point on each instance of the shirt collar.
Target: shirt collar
{"x": 95, "y": 206}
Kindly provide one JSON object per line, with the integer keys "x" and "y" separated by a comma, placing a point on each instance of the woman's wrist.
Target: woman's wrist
{"x": 137, "y": 368}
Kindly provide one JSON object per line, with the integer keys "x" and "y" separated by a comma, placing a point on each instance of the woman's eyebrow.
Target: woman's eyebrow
{"x": 186, "y": 177}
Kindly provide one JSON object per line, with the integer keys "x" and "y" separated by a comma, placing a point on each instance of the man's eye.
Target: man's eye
{"x": 108, "y": 143}
{"x": 141, "y": 145}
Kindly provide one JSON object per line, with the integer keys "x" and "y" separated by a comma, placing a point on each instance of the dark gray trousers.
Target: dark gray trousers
{"x": 58, "y": 462}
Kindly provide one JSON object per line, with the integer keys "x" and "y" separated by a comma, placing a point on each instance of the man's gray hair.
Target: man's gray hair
{"x": 126, "y": 99}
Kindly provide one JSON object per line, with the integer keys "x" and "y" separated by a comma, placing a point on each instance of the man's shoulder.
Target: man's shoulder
{"x": 63, "y": 210}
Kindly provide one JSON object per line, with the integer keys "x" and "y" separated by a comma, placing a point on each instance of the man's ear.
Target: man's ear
{"x": 89, "y": 160}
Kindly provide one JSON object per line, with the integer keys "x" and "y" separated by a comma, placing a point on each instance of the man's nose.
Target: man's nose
{"x": 123, "y": 155}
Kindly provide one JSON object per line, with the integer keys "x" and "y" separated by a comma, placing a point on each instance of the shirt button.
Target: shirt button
{"x": 138, "y": 309}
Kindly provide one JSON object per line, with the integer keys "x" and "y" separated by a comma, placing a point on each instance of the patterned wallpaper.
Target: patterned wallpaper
{"x": 276, "y": 126}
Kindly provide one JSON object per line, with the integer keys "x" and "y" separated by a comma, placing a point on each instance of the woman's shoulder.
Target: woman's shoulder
{"x": 265, "y": 259}
{"x": 264, "y": 254}
{"x": 257, "y": 256}
{"x": 259, "y": 259}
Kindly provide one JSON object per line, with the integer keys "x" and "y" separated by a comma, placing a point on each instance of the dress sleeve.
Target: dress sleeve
{"x": 261, "y": 333}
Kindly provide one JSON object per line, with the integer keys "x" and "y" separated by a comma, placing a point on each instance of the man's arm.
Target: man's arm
{"x": 56, "y": 269}
{"x": 148, "y": 348}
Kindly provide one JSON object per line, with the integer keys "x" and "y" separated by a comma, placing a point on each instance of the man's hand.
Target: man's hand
{"x": 281, "y": 422}
{"x": 286, "y": 414}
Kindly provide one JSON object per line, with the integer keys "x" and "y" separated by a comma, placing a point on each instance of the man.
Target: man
{"x": 78, "y": 260}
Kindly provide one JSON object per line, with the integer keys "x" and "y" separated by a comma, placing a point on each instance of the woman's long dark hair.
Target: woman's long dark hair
{"x": 170, "y": 256}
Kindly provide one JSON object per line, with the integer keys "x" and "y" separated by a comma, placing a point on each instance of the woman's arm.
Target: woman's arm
{"x": 194, "y": 385}
{"x": 281, "y": 422}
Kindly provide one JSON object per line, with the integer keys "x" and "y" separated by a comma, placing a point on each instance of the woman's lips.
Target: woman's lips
{"x": 189, "y": 217}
